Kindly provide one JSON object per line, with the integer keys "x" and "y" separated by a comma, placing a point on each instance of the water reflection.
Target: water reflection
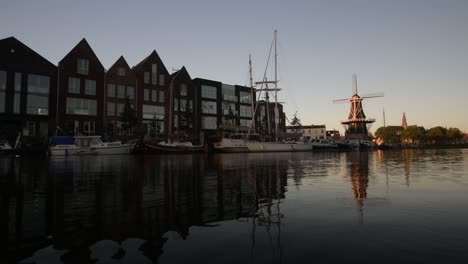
{"x": 359, "y": 173}
{"x": 88, "y": 207}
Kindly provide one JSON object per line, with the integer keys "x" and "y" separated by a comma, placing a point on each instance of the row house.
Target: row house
{"x": 28, "y": 86}
{"x": 81, "y": 92}
{"x": 121, "y": 83}
{"x": 309, "y": 132}
{"x": 222, "y": 107}
{"x": 152, "y": 86}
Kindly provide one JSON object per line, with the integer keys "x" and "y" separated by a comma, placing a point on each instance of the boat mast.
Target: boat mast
{"x": 276, "y": 89}
{"x": 252, "y": 94}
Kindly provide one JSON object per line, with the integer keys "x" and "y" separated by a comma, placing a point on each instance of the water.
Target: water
{"x": 405, "y": 206}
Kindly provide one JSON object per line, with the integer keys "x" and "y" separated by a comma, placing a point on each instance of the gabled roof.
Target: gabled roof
{"x": 183, "y": 70}
{"x": 8, "y": 46}
{"x": 153, "y": 54}
{"x": 83, "y": 44}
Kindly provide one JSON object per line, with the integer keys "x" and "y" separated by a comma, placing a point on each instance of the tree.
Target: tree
{"x": 411, "y": 133}
{"x": 453, "y": 134}
{"x": 388, "y": 134}
{"x": 296, "y": 124}
{"x": 436, "y": 134}
{"x": 128, "y": 116}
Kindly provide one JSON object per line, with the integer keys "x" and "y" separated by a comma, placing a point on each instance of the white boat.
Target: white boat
{"x": 5, "y": 147}
{"x": 231, "y": 145}
{"x": 278, "y": 146}
{"x": 87, "y": 145}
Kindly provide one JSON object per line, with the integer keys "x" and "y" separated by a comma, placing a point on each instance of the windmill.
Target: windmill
{"x": 357, "y": 124}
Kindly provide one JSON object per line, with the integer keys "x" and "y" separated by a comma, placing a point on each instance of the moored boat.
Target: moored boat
{"x": 5, "y": 147}
{"x": 174, "y": 147}
{"x": 87, "y": 145}
{"x": 323, "y": 144}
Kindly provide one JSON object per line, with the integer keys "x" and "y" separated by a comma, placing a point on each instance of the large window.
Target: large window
{"x": 120, "y": 71}
{"x": 229, "y": 108}
{"x": 154, "y": 73}
{"x": 146, "y": 77}
{"x": 90, "y": 87}
{"x": 246, "y": 122}
{"x": 74, "y": 85}
{"x": 245, "y": 97}
{"x": 110, "y": 109}
{"x": 245, "y": 111}
{"x": 154, "y": 94}
{"x": 120, "y": 108}
{"x": 153, "y": 112}
{"x": 146, "y": 95}
{"x": 183, "y": 89}
{"x": 38, "y": 95}
{"x": 83, "y": 66}
{"x": 229, "y": 93}
{"x": 3, "y": 78}
{"x": 208, "y": 122}
{"x": 17, "y": 97}
{"x": 184, "y": 104}
{"x": 161, "y": 80}
{"x": 161, "y": 96}
{"x": 89, "y": 127}
{"x": 130, "y": 92}
{"x": 111, "y": 90}
{"x": 208, "y": 91}
{"x": 208, "y": 107}
{"x": 78, "y": 106}
{"x": 121, "y": 91}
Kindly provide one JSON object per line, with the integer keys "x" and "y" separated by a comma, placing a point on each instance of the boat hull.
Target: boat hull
{"x": 278, "y": 147}
{"x": 72, "y": 150}
{"x": 228, "y": 145}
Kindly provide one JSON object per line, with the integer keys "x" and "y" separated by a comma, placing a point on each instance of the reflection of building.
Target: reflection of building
{"x": 359, "y": 173}
{"x": 90, "y": 199}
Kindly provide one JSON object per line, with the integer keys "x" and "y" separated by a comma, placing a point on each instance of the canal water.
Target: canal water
{"x": 408, "y": 206}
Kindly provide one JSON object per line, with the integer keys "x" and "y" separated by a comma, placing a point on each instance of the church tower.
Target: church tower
{"x": 403, "y": 121}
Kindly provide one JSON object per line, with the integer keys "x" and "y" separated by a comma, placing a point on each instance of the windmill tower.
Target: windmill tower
{"x": 357, "y": 125}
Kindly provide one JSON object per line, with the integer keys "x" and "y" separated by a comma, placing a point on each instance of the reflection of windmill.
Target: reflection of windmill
{"x": 357, "y": 124}
{"x": 359, "y": 173}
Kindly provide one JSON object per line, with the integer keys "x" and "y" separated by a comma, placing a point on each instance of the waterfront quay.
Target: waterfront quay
{"x": 397, "y": 206}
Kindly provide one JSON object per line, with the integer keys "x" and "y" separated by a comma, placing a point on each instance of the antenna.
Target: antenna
{"x": 384, "y": 117}
{"x": 354, "y": 84}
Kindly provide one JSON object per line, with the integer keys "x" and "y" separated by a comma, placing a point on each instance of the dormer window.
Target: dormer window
{"x": 120, "y": 71}
{"x": 83, "y": 66}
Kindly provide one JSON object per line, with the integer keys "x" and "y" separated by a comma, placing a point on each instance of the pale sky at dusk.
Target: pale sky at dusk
{"x": 414, "y": 51}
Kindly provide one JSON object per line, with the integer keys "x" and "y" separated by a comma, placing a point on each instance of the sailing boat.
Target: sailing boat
{"x": 274, "y": 146}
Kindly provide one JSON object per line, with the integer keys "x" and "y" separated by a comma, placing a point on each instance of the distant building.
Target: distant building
{"x": 308, "y": 132}
{"x": 120, "y": 85}
{"x": 334, "y": 134}
{"x": 81, "y": 91}
{"x": 28, "y": 89}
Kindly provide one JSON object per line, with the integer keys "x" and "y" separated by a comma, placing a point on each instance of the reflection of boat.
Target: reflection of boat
{"x": 278, "y": 146}
{"x": 86, "y": 145}
{"x": 175, "y": 147}
{"x": 231, "y": 145}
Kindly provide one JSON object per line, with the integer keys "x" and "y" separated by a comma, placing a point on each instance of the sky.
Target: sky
{"x": 415, "y": 52}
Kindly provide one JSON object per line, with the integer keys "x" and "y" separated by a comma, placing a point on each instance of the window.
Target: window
{"x": 245, "y": 111}
{"x": 208, "y": 91}
{"x": 89, "y": 127}
{"x": 121, "y": 91}
{"x": 37, "y": 105}
{"x": 176, "y": 104}
{"x": 183, "y": 89}
{"x": 154, "y": 73}
{"x": 153, "y": 95}
{"x": 30, "y": 128}
{"x": 110, "y": 109}
{"x": 176, "y": 121}
{"x": 83, "y": 66}
{"x": 146, "y": 77}
{"x": 184, "y": 104}
{"x": 161, "y": 96}
{"x": 120, "y": 108}
{"x": 153, "y": 112}
{"x": 111, "y": 90}
{"x": 229, "y": 108}
{"x": 229, "y": 93}
{"x": 74, "y": 85}
{"x": 38, "y": 95}
{"x": 3, "y": 80}
{"x": 245, "y": 97}
{"x": 120, "y": 71}
{"x": 130, "y": 92}
{"x": 146, "y": 95}
{"x": 90, "y": 87}
{"x": 246, "y": 122}
{"x": 17, "y": 96}
{"x": 78, "y": 106}
{"x": 161, "y": 79}
{"x": 209, "y": 122}
{"x": 208, "y": 107}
